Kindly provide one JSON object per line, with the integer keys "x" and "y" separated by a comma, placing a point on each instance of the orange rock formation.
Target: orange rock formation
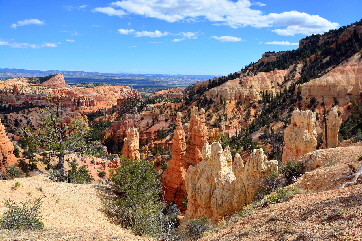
{"x": 219, "y": 186}
{"x": 131, "y": 144}
{"x": 197, "y": 136}
{"x": 300, "y": 136}
{"x": 343, "y": 83}
{"x": 333, "y": 124}
{"x": 174, "y": 176}
{"x": 7, "y": 157}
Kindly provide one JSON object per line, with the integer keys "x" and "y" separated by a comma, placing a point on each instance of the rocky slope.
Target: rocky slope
{"x": 326, "y": 215}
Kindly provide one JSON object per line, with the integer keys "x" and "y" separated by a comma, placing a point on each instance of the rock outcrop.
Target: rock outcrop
{"x": 300, "y": 136}
{"x": 328, "y": 168}
{"x": 56, "y": 81}
{"x": 7, "y": 157}
{"x": 131, "y": 144}
{"x": 197, "y": 136}
{"x": 343, "y": 83}
{"x": 219, "y": 186}
{"x": 248, "y": 88}
{"x": 174, "y": 176}
{"x": 333, "y": 124}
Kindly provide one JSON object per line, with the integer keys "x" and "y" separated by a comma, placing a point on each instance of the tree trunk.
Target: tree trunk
{"x": 60, "y": 164}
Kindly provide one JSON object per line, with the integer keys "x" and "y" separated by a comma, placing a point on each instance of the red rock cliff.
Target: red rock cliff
{"x": 6, "y": 150}
{"x": 174, "y": 176}
{"x": 197, "y": 136}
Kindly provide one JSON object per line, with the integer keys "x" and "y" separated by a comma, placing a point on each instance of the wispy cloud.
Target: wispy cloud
{"x": 189, "y": 35}
{"x": 126, "y": 31}
{"x": 27, "y": 45}
{"x": 70, "y": 8}
{"x": 70, "y": 40}
{"x": 281, "y": 43}
{"x": 154, "y": 34}
{"x": 157, "y": 34}
{"x": 227, "y": 38}
{"x": 72, "y": 33}
{"x": 235, "y": 14}
{"x": 178, "y": 39}
{"x": 27, "y": 22}
{"x": 110, "y": 11}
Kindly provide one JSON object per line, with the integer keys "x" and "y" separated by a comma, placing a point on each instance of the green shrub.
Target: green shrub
{"x": 16, "y": 186}
{"x": 16, "y": 152}
{"x": 79, "y": 175}
{"x": 102, "y": 174}
{"x": 196, "y": 227}
{"x": 282, "y": 194}
{"x": 23, "y": 216}
{"x": 291, "y": 171}
{"x": 12, "y": 172}
{"x": 271, "y": 182}
{"x": 138, "y": 205}
{"x": 27, "y": 167}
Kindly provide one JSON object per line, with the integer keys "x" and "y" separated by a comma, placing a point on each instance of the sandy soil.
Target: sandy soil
{"x": 69, "y": 211}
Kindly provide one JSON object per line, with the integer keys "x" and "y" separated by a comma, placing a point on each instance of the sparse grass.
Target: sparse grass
{"x": 331, "y": 162}
{"x": 197, "y": 227}
{"x": 16, "y": 186}
{"x": 247, "y": 210}
{"x": 281, "y": 195}
{"x": 40, "y": 189}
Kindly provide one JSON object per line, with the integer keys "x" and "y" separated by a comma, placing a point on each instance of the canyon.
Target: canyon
{"x": 213, "y": 144}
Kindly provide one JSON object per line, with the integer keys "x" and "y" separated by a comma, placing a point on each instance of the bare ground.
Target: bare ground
{"x": 329, "y": 215}
{"x": 69, "y": 211}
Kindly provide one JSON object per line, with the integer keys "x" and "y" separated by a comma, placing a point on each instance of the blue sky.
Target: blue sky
{"x": 215, "y": 37}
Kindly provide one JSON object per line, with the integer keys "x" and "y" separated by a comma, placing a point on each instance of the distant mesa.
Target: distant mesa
{"x": 53, "y": 81}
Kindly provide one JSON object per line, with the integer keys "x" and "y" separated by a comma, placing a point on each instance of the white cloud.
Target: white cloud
{"x": 223, "y": 12}
{"x": 259, "y": 4}
{"x": 110, "y": 11}
{"x": 189, "y": 35}
{"x": 300, "y": 23}
{"x": 178, "y": 39}
{"x": 227, "y": 38}
{"x": 70, "y": 8}
{"x": 126, "y": 31}
{"x": 28, "y": 46}
{"x": 281, "y": 43}
{"x": 27, "y": 22}
{"x": 155, "y": 34}
{"x": 70, "y": 40}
